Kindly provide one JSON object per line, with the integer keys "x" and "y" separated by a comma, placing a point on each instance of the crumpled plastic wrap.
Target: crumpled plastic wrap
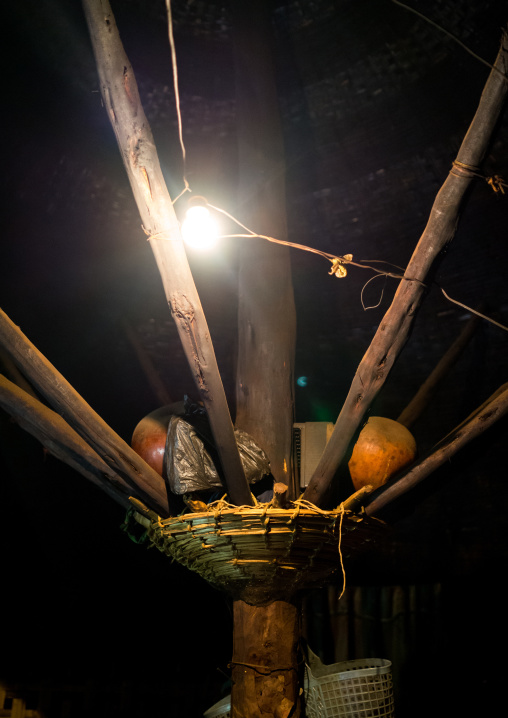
{"x": 189, "y": 466}
{"x": 254, "y": 460}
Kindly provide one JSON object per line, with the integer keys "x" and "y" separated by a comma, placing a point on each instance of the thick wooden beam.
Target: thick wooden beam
{"x": 73, "y": 408}
{"x": 265, "y": 666}
{"x": 137, "y": 148}
{"x": 394, "y": 329}
{"x": 490, "y": 412}
{"x": 61, "y": 440}
{"x": 266, "y": 310}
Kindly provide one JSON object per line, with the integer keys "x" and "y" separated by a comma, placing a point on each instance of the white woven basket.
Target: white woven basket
{"x": 220, "y": 709}
{"x": 351, "y": 689}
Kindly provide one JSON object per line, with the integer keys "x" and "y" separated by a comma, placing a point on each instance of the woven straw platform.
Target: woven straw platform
{"x": 263, "y": 552}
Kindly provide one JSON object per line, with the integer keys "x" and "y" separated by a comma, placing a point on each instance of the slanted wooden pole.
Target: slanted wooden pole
{"x": 61, "y": 440}
{"x": 421, "y": 399}
{"x": 137, "y": 148}
{"x": 396, "y": 324}
{"x": 266, "y": 310}
{"x": 73, "y": 408}
{"x": 11, "y": 371}
{"x": 501, "y": 390}
{"x": 491, "y": 411}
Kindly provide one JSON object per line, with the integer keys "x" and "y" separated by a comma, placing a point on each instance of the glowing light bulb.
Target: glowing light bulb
{"x": 199, "y": 229}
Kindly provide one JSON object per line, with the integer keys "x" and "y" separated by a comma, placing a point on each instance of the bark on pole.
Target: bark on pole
{"x": 396, "y": 324}
{"x": 265, "y": 665}
{"x": 266, "y": 312}
{"x": 137, "y": 148}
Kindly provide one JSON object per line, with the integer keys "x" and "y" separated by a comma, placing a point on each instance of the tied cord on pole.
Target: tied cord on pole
{"x": 158, "y": 235}
{"x": 495, "y": 182}
{"x": 263, "y": 670}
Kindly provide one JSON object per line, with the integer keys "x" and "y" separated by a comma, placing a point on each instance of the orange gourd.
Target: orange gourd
{"x": 384, "y": 447}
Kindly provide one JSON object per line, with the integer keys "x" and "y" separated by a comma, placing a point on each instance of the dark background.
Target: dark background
{"x": 374, "y": 104}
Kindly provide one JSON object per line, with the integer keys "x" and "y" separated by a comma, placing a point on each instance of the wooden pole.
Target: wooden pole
{"x": 265, "y": 660}
{"x": 137, "y": 148}
{"x": 280, "y": 498}
{"x": 396, "y": 324}
{"x": 427, "y": 390}
{"x": 490, "y": 412}
{"x": 153, "y": 378}
{"x": 266, "y": 310}
{"x": 73, "y": 408}
{"x": 478, "y": 409}
{"x": 11, "y": 371}
{"x": 61, "y": 440}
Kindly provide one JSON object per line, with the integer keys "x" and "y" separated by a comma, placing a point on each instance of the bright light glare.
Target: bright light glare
{"x": 199, "y": 229}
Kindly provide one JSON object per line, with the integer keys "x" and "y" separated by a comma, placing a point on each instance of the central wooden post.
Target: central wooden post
{"x": 265, "y": 660}
{"x": 266, "y": 309}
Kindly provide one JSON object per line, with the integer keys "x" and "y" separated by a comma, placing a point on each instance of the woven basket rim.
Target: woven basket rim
{"x": 221, "y": 509}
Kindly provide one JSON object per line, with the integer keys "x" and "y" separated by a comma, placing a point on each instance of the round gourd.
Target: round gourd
{"x": 384, "y": 447}
{"x": 149, "y": 437}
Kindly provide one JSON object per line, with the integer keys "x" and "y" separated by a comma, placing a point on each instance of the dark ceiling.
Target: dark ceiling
{"x": 374, "y": 103}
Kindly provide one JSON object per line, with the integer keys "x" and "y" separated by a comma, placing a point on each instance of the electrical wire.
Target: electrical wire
{"x": 177, "y": 97}
{"x": 338, "y": 262}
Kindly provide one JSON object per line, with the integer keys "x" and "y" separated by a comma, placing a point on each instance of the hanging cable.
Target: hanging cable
{"x": 177, "y": 98}
{"x": 339, "y": 269}
{"x": 451, "y": 36}
{"x": 338, "y": 262}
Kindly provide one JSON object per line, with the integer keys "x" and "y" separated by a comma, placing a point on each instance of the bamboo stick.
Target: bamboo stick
{"x": 396, "y": 324}
{"x": 358, "y": 499}
{"x": 61, "y": 440}
{"x": 487, "y": 414}
{"x": 73, "y": 408}
{"x": 137, "y": 148}
{"x": 425, "y": 393}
